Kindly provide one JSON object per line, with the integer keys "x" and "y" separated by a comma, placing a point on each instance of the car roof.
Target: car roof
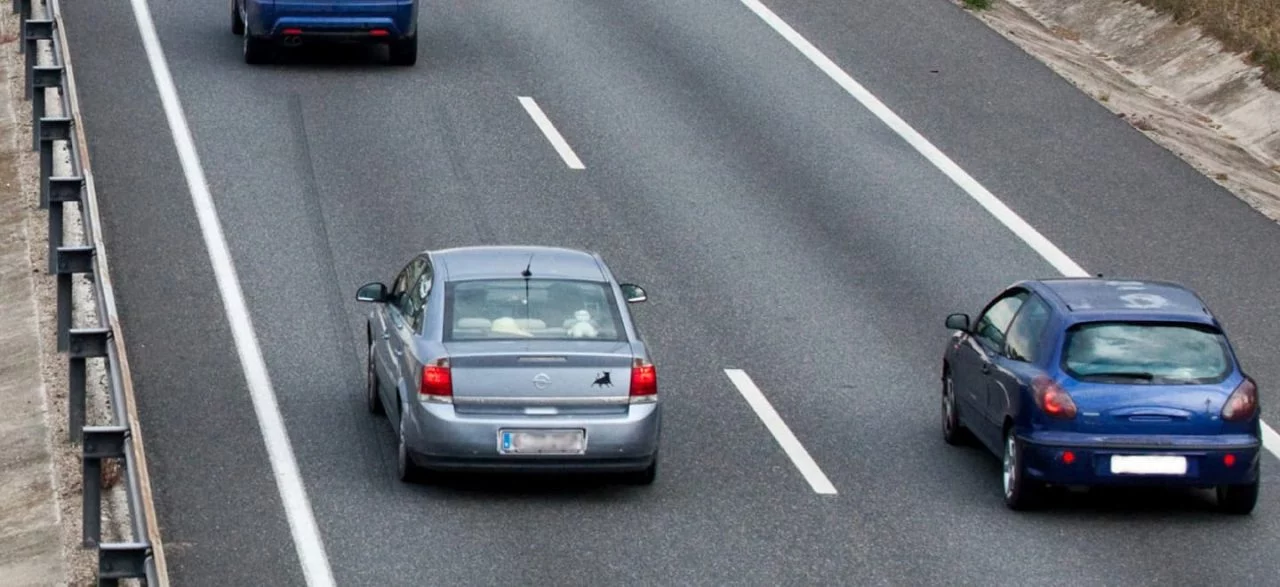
{"x": 497, "y": 262}
{"x": 1092, "y": 299}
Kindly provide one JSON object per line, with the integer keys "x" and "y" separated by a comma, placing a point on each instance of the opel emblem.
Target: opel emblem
{"x": 541, "y": 380}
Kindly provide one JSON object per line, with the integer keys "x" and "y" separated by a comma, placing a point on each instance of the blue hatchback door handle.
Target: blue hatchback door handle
{"x": 986, "y": 368}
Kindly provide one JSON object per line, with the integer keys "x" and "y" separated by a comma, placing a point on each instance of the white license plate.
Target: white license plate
{"x": 1148, "y": 465}
{"x": 542, "y": 442}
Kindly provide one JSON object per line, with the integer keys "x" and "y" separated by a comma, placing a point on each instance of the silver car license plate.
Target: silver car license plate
{"x": 542, "y": 442}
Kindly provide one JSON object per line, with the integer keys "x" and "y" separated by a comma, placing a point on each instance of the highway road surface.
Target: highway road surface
{"x": 792, "y": 241}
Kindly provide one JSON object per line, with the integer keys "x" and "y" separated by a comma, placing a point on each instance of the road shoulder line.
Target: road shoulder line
{"x": 302, "y": 524}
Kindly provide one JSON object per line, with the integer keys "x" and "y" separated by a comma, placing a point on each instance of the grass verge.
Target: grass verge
{"x": 1248, "y": 26}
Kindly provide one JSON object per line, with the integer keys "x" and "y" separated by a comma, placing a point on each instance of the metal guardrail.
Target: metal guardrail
{"x": 136, "y": 558}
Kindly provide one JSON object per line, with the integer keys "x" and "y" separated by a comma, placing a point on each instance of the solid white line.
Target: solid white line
{"x": 1270, "y": 439}
{"x": 985, "y": 198}
{"x": 805, "y": 463}
{"x": 1006, "y": 216}
{"x": 553, "y": 135}
{"x": 302, "y": 524}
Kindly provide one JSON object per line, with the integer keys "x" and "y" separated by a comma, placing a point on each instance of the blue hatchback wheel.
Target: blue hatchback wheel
{"x": 1238, "y": 499}
{"x": 1020, "y": 493}
{"x": 237, "y": 24}
{"x": 257, "y": 51}
{"x": 1011, "y": 465}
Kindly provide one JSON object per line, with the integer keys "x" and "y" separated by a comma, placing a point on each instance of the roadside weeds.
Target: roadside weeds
{"x": 1247, "y": 26}
{"x": 1181, "y": 88}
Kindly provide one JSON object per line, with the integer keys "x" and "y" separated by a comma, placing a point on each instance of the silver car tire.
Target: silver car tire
{"x": 645, "y": 476}
{"x": 371, "y": 392}
{"x": 406, "y": 470}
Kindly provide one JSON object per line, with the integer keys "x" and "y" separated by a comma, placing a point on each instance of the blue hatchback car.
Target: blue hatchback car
{"x": 266, "y": 24}
{"x": 1085, "y": 382}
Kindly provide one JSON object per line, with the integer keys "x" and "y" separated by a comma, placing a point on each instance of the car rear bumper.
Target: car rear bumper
{"x": 336, "y": 22}
{"x": 1045, "y": 456}
{"x": 439, "y": 438}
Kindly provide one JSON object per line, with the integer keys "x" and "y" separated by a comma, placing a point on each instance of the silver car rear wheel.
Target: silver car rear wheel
{"x": 645, "y": 476}
{"x": 405, "y": 469}
{"x": 371, "y": 392}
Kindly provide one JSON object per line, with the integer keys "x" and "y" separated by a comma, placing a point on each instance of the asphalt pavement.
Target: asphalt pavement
{"x": 779, "y": 227}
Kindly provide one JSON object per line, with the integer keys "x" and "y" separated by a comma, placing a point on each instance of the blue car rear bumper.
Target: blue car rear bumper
{"x": 352, "y": 21}
{"x": 1044, "y": 454}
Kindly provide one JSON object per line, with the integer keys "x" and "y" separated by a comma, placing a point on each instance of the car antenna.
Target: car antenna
{"x": 526, "y": 274}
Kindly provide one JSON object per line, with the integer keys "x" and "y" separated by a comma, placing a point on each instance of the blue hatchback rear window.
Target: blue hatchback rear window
{"x": 1146, "y": 352}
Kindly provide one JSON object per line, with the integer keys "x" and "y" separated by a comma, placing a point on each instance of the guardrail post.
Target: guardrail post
{"x": 61, "y": 191}
{"x": 85, "y": 344}
{"x": 68, "y": 261}
{"x": 23, "y": 8}
{"x": 100, "y": 442}
{"x": 125, "y": 560}
{"x": 42, "y": 77}
{"x": 50, "y": 130}
{"x": 33, "y": 31}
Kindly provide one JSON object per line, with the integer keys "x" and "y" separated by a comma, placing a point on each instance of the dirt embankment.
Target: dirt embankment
{"x": 1251, "y": 27}
{"x": 1178, "y": 84}
{"x": 30, "y": 528}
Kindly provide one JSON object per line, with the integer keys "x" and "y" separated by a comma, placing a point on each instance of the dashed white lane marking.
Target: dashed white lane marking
{"x": 553, "y": 136}
{"x": 805, "y": 463}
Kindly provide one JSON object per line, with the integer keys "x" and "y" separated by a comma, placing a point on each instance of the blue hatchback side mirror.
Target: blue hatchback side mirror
{"x": 958, "y": 322}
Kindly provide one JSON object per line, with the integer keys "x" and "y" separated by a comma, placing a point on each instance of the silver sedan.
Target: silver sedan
{"x": 512, "y": 358}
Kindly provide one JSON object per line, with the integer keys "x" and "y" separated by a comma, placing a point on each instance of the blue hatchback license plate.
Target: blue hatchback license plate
{"x": 1148, "y": 465}
{"x": 542, "y": 442}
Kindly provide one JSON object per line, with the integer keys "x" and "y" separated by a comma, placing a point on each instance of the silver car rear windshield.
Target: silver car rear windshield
{"x": 533, "y": 309}
{"x": 1160, "y": 353}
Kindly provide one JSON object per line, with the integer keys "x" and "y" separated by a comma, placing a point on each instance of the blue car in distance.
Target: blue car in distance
{"x": 267, "y": 24}
{"x": 1086, "y": 382}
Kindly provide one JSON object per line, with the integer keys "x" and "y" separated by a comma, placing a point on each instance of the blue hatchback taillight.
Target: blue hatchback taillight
{"x": 1052, "y": 399}
{"x": 1243, "y": 402}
